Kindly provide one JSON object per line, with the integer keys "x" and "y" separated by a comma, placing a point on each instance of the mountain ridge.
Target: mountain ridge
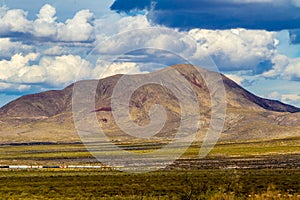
{"x": 268, "y": 104}
{"x": 47, "y": 116}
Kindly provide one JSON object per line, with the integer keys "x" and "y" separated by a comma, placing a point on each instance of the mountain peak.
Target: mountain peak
{"x": 244, "y": 109}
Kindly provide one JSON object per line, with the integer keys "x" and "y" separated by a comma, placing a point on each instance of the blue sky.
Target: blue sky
{"x": 47, "y": 45}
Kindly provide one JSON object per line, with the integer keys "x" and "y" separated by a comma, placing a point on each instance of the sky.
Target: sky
{"x": 46, "y": 45}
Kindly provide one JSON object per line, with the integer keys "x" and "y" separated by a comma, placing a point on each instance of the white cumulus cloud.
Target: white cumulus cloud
{"x": 52, "y": 71}
{"x": 292, "y": 71}
{"x": 285, "y": 68}
{"x": 80, "y": 28}
{"x": 236, "y": 49}
{"x": 106, "y": 69}
{"x": 45, "y": 25}
{"x": 14, "y": 21}
{"x": 114, "y": 24}
{"x": 14, "y": 88}
{"x": 9, "y": 48}
{"x": 55, "y": 51}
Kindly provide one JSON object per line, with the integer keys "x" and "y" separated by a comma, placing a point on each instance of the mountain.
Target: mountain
{"x": 48, "y": 117}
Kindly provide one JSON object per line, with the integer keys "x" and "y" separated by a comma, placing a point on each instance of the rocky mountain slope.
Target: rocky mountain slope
{"x": 48, "y": 116}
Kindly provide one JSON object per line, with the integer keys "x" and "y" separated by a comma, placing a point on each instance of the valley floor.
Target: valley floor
{"x": 271, "y": 154}
{"x": 196, "y": 184}
{"x": 240, "y": 170}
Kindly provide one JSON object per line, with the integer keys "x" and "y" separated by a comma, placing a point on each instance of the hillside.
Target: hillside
{"x": 47, "y": 116}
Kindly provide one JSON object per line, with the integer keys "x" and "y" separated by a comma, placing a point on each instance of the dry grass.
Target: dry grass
{"x": 204, "y": 184}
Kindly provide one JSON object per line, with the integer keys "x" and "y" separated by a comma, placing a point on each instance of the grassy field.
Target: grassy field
{"x": 253, "y": 148}
{"x": 202, "y": 184}
{"x": 42, "y": 154}
{"x": 222, "y": 175}
{"x": 77, "y": 153}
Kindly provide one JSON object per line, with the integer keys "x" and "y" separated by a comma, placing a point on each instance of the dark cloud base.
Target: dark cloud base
{"x": 215, "y": 14}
